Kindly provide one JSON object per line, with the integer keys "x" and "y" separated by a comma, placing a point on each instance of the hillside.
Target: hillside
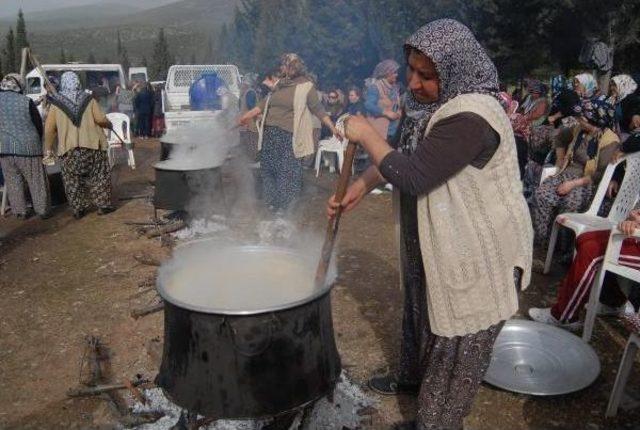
{"x": 188, "y": 24}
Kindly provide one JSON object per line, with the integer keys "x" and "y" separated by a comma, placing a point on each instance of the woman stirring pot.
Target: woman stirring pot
{"x": 288, "y": 131}
{"x": 466, "y": 236}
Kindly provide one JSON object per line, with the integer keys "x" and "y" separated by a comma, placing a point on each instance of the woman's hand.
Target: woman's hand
{"x": 391, "y": 115}
{"x": 355, "y": 193}
{"x": 565, "y": 188}
{"x": 628, "y": 227}
{"x": 356, "y": 128}
{"x": 634, "y": 215}
{"x": 245, "y": 119}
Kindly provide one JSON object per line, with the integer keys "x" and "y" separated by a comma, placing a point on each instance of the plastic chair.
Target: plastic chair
{"x": 332, "y": 145}
{"x": 624, "y": 369}
{"x": 610, "y": 263}
{"x": 589, "y": 220}
{"x": 122, "y": 126}
{"x": 3, "y": 205}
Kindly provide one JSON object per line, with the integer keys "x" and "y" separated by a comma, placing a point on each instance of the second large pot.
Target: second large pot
{"x": 178, "y": 188}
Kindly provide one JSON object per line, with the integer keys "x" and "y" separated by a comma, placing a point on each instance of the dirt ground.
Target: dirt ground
{"x": 62, "y": 280}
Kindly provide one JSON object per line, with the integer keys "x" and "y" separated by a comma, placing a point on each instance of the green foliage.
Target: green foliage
{"x": 21, "y": 33}
{"x": 10, "y": 55}
{"x": 161, "y": 59}
{"x": 342, "y": 40}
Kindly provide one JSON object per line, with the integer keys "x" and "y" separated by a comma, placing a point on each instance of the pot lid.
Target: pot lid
{"x": 539, "y": 359}
{"x": 241, "y": 280}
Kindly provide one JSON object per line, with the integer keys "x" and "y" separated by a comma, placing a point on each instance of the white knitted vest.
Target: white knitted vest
{"x": 474, "y": 229}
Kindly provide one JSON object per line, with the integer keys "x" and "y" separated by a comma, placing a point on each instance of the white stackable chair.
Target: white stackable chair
{"x": 3, "y": 205}
{"x": 590, "y": 221}
{"x": 332, "y": 145}
{"x": 626, "y": 364}
{"x": 611, "y": 264}
{"x": 122, "y": 126}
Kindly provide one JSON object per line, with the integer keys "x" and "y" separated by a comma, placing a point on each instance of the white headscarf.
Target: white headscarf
{"x": 626, "y": 86}
{"x": 588, "y": 82}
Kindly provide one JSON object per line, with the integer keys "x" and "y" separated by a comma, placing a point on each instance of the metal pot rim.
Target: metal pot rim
{"x": 211, "y": 310}
{"x": 158, "y": 166}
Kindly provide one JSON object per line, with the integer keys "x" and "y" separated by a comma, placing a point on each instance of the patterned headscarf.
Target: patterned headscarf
{"x": 626, "y": 86}
{"x": 70, "y": 86}
{"x": 12, "y": 82}
{"x": 385, "y": 68}
{"x": 463, "y": 67}
{"x": 71, "y": 99}
{"x": 294, "y": 65}
{"x": 588, "y": 82}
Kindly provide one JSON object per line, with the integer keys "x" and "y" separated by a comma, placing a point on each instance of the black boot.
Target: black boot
{"x": 106, "y": 210}
{"x": 388, "y": 385}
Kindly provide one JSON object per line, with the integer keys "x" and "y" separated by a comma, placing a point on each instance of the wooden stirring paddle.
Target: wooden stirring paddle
{"x": 332, "y": 226}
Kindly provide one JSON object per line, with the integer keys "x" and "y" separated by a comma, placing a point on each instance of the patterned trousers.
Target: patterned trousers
{"x": 449, "y": 370}
{"x": 87, "y": 178}
{"x": 21, "y": 173}
{"x": 281, "y": 171}
{"x": 548, "y": 203}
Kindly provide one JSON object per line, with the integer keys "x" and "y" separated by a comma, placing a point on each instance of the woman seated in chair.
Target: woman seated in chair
{"x": 574, "y": 290}
{"x": 583, "y": 153}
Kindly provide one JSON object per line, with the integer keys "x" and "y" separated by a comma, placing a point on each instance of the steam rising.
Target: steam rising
{"x": 221, "y": 272}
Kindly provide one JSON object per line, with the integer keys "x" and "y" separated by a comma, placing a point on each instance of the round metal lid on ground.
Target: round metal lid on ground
{"x": 542, "y": 360}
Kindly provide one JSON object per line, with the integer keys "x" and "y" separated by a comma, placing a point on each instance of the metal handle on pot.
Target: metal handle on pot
{"x": 271, "y": 325}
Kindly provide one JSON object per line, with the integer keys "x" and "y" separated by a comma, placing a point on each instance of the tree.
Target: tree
{"x": 63, "y": 58}
{"x": 161, "y": 59}
{"x": 122, "y": 54}
{"x": 10, "y": 53}
{"x": 21, "y": 36}
{"x": 91, "y": 59}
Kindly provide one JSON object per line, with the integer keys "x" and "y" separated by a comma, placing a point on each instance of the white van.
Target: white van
{"x": 102, "y": 79}
{"x": 138, "y": 74}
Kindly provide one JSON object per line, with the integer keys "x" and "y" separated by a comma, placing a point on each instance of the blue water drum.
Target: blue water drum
{"x": 206, "y": 92}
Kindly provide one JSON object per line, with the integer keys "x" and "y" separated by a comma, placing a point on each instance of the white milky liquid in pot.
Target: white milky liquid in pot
{"x": 239, "y": 280}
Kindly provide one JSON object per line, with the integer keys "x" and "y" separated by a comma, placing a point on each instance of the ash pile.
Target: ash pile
{"x": 348, "y": 409}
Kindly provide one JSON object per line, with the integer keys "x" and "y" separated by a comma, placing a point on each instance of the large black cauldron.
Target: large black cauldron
{"x": 177, "y": 186}
{"x": 238, "y": 364}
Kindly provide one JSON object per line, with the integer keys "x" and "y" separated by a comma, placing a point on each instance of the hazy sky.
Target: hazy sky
{"x": 10, "y": 7}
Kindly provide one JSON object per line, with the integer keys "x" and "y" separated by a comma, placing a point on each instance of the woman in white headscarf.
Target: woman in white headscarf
{"x": 21, "y": 149}
{"x": 622, "y": 86}
{"x": 466, "y": 236}
{"x": 77, "y": 121}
